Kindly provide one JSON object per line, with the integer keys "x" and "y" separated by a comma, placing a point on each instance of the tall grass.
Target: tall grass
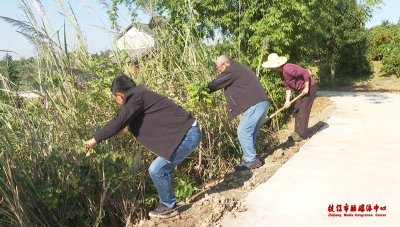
{"x": 45, "y": 178}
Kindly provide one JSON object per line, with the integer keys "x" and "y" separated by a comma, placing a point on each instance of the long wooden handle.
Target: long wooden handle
{"x": 293, "y": 100}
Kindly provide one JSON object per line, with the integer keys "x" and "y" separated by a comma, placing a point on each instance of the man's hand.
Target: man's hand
{"x": 90, "y": 143}
{"x": 287, "y": 104}
{"x": 305, "y": 91}
{"x": 123, "y": 133}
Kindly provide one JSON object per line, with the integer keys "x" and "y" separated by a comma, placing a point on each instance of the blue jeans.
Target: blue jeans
{"x": 248, "y": 129}
{"x": 161, "y": 170}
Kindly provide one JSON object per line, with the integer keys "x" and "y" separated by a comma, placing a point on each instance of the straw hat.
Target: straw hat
{"x": 274, "y": 61}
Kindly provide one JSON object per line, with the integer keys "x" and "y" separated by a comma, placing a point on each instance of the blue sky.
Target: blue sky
{"x": 390, "y": 10}
{"x": 97, "y": 40}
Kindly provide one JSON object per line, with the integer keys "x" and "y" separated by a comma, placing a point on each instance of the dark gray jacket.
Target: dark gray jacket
{"x": 157, "y": 122}
{"x": 242, "y": 88}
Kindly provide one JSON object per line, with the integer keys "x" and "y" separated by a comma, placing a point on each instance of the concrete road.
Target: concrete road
{"x": 353, "y": 160}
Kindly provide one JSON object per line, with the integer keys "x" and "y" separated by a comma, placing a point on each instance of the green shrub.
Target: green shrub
{"x": 391, "y": 59}
{"x": 184, "y": 186}
{"x": 385, "y": 41}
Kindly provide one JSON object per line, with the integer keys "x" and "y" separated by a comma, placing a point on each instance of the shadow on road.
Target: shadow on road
{"x": 319, "y": 126}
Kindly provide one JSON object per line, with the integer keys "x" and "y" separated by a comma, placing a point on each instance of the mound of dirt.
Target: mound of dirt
{"x": 225, "y": 196}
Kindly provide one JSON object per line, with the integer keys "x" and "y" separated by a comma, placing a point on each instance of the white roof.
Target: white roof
{"x": 28, "y": 94}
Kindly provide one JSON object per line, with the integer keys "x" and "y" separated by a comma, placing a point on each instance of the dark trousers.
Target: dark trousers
{"x": 302, "y": 111}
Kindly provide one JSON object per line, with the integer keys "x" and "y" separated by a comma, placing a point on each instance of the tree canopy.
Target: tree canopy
{"x": 303, "y": 30}
{"x": 384, "y": 44}
{"x": 9, "y": 69}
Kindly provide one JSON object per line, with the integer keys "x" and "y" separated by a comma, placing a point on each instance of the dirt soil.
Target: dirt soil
{"x": 387, "y": 86}
{"x": 224, "y": 197}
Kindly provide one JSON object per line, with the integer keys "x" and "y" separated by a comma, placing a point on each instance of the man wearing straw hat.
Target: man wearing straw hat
{"x": 243, "y": 94}
{"x": 296, "y": 78}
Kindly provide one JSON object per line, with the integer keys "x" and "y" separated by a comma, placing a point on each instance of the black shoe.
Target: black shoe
{"x": 249, "y": 165}
{"x": 163, "y": 211}
{"x": 242, "y": 161}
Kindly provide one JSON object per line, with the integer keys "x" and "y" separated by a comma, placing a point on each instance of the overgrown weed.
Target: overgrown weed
{"x": 47, "y": 180}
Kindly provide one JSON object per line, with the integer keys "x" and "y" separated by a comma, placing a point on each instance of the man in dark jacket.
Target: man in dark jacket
{"x": 161, "y": 126}
{"x": 243, "y": 94}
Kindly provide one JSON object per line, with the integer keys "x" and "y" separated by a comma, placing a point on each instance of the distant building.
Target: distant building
{"x": 138, "y": 42}
{"x": 28, "y": 94}
{"x": 133, "y": 38}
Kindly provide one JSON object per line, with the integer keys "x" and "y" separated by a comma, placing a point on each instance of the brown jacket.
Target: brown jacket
{"x": 157, "y": 122}
{"x": 242, "y": 88}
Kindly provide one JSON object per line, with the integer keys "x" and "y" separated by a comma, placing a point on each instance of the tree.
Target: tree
{"x": 244, "y": 24}
{"x": 384, "y": 45}
{"x": 342, "y": 36}
{"x": 293, "y": 27}
{"x": 9, "y": 69}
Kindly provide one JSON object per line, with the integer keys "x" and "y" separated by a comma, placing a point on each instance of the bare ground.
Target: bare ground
{"x": 387, "y": 86}
{"x": 224, "y": 197}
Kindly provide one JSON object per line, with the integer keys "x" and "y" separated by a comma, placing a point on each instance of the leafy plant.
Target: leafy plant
{"x": 199, "y": 91}
{"x": 183, "y": 186}
{"x": 199, "y": 98}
